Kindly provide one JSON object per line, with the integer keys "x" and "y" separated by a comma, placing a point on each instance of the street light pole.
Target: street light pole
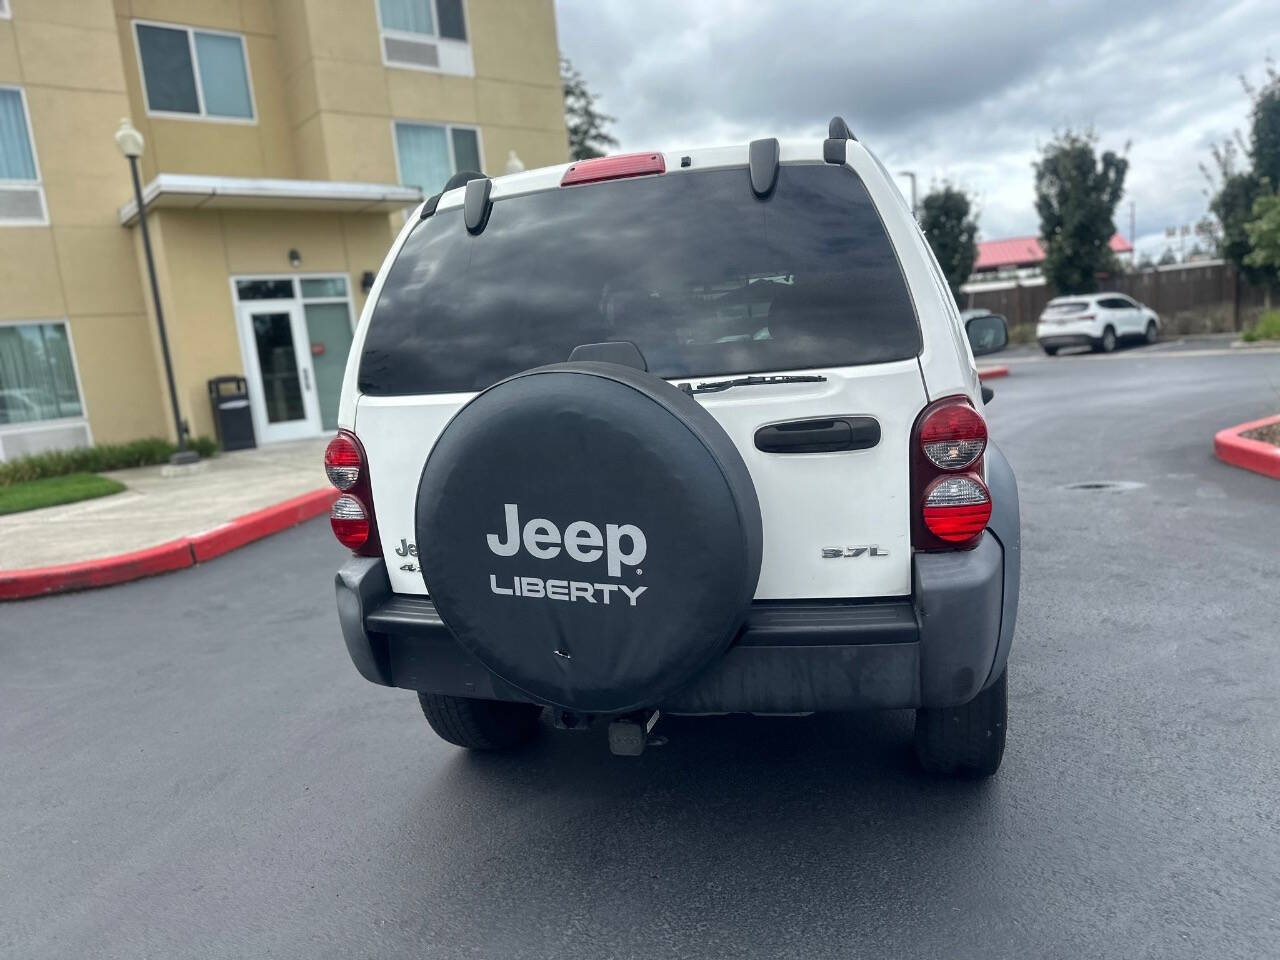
{"x": 131, "y": 144}
{"x": 912, "y": 174}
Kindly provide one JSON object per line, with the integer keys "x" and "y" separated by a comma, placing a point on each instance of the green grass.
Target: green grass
{"x": 99, "y": 459}
{"x": 52, "y": 491}
{"x": 1267, "y": 328}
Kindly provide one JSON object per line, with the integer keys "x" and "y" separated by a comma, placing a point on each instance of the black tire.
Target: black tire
{"x": 1107, "y": 344}
{"x": 965, "y": 741}
{"x": 1051, "y": 351}
{"x": 1152, "y": 333}
{"x": 481, "y": 724}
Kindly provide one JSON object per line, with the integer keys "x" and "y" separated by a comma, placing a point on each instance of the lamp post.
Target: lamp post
{"x": 131, "y": 144}
{"x": 912, "y": 175}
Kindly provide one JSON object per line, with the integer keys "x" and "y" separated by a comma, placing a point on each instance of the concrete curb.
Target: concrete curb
{"x": 991, "y": 373}
{"x": 1263, "y": 458}
{"x": 165, "y": 557}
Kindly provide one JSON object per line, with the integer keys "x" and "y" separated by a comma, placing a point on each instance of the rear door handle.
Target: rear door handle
{"x": 826, "y": 435}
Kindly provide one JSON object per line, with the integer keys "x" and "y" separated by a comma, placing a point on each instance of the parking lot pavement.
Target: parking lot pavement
{"x": 192, "y": 768}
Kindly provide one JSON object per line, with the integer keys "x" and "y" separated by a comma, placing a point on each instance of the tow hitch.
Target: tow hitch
{"x": 629, "y": 735}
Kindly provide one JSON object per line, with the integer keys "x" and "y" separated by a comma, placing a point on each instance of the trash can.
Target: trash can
{"x": 232, "y": 419}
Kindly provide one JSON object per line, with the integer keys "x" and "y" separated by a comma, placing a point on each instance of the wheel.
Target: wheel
{"x": 965, "y": 741}
{"x": 1108, "y": 341}
{"x": 480, "y": 724}
{"x": 1152, "y": 333}
{"x": 1051, "y": 351}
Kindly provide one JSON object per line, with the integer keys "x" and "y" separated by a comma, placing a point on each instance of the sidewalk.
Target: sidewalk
{"x": 157, "y": 509}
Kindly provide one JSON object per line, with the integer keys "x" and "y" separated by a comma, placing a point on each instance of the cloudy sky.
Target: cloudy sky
{"x": 959, "y": 91}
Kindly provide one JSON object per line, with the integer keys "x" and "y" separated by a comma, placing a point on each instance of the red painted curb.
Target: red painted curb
{"x": 17, "y": 584}
{"x": 165, "y": 557}
{"x": 990, "y": 373}
{"x": 260, "y": 523}
{"x": 1263, "y": 458}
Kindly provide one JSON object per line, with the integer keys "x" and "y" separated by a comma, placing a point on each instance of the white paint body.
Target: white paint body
{"x": 1125, "y": 316}
{"x": 808, "y": 502}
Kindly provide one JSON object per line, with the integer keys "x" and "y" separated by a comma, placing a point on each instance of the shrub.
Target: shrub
{"x": 1267, "y": 328}
{"x": 107, "y": 456}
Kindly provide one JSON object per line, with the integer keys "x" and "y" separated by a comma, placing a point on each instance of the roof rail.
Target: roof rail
{"x": 476, "y": 204}
{"x": 838, "y": 133}
{"x": 461, "y": 178}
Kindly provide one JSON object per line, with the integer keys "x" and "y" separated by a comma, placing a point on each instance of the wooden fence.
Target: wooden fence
{"x": 1190, "y": 298}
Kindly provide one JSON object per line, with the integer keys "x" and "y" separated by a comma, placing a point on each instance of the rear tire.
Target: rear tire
{"x": 1051, "y": 351}
{"x": 481, "y": 724}
{"x": 965, "y": 741}
{"x": 1153, "y": 333}
{"x": 1108, "y": 342}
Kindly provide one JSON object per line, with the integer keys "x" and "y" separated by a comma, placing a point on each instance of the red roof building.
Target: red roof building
{"x": 1022, "y": 253}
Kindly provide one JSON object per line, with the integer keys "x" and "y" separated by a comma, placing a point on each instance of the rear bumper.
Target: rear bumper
{"x": 939, "y": 648}
{"x": 1066, "y": 340}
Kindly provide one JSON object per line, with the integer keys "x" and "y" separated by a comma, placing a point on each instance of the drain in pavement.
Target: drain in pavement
{"x": 1104, "y": 485}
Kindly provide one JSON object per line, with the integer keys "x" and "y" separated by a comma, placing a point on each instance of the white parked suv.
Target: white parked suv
{"x": 1097, "y": 320}
{"x": 696, "y": 432}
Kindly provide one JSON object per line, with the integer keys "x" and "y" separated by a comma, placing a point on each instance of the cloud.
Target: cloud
{"x": 960, "y": 92}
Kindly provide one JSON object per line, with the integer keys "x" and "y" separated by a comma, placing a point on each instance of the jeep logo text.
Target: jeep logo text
{"x": 619, "y": 544}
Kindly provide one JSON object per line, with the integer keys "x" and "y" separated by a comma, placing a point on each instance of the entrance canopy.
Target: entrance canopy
{"x": 192, "y": 191}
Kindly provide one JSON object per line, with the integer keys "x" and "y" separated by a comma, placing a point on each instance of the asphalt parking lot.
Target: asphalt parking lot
{"x": 192, "y": 768}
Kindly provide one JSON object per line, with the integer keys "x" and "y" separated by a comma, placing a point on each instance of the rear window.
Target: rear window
{"x": 1067, "y": 306}
{"x": 703, "y": 277}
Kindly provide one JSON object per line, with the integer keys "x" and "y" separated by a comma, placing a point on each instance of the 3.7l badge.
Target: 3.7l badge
{"x": 833, "y": 553}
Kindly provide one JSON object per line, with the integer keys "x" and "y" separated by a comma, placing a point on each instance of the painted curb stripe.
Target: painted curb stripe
{"x": 1263, "y": 458}
{"x": 990, "y": 373}
{"x": 166, "y": 557}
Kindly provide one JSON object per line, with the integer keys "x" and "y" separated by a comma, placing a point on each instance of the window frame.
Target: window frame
{"x": 448, "y": 129}
{"x": 202, "y": 115}
{"x": 27, "y": 426}
{"x": 38, "y": 183}
{"x": 409, "y": 35}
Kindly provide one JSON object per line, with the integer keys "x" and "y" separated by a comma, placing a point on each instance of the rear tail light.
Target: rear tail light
{"x": 351, "y": 516}
{"x": 342, "y": 462}
{"x": 614, "y": 168}
{"x": 950, "y": 502}
{"x": 956, "y": 509}
{"x": 350, "y": 521}
{"x": 953, "y": 436}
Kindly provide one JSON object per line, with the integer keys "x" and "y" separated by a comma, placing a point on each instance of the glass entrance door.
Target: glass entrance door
{"x": 282, "y": 390}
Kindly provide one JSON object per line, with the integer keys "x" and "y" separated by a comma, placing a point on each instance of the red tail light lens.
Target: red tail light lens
{"x": 342, "y": 462}
{"x": 350, "y": 522}
{"x": 953, "y": 436}
{"x": 352, "y": 517}
{"x": 956, "y": 508}
{"x": 951, "y": 502}
{"x": 614, "y": 168}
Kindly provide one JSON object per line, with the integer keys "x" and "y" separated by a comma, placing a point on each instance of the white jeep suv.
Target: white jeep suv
{"x": 696, "y": 432}
{"x": 1096, "y": 320}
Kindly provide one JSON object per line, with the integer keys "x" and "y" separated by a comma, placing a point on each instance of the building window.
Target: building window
{"x": 37, "y": 375}
{"x": 425, "y": 35}
{"x": 200, "y": 73}
{"x": 21, "y": 194}
{"x": 428, "y": 155}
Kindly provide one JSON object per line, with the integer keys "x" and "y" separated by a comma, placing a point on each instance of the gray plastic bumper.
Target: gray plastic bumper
{"x": 939, "y": 648}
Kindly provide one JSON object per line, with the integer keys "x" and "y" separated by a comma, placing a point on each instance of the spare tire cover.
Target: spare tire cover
{"x": 590, "y": 534}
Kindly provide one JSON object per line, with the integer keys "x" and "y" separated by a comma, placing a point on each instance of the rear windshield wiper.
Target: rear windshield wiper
{"x": 719, "y": 385}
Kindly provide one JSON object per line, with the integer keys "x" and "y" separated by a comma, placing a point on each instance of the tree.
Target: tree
{"x": 1168, "y": 258}
{"x": 950, "y": 226}
{"x": 589, "y": 134}
{"x": 1264, "y": 133}
{"x": 1264, "y": 236}
{"x": 1234, "y": 188}
{"x": 1076, "y": 197}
